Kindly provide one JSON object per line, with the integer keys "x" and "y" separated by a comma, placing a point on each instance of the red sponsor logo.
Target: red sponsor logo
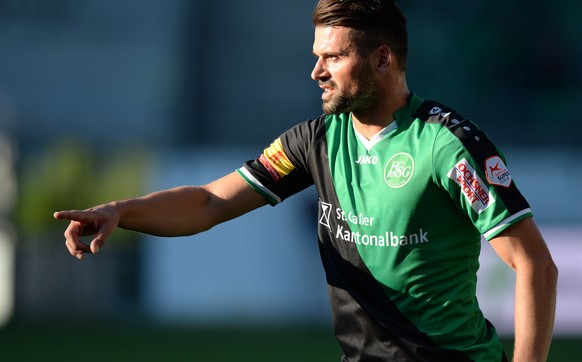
{"x": 473, "y": 188}
{"x": 496, "y": 171}
{"x": 272, "y": 171}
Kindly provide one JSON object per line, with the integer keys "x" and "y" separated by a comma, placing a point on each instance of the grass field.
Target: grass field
{"x": 25, "y": 343}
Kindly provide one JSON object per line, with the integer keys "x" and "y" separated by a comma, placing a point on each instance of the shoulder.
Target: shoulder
{"x": 456, "y": 126}
{"x": 315, "y": 130}
{"x": 308, "y": 127}
{"x": 435, "y": 112}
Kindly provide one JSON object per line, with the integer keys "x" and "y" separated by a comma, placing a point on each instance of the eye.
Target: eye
{"x": 332, "y": 58}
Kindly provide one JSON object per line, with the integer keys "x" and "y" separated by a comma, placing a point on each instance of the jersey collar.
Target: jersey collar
{"x": 369, "y": 143}
{"x": 402, "y": 116}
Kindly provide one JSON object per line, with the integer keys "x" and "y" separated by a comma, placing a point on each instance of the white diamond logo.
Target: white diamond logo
{"x": 325, "y": 213}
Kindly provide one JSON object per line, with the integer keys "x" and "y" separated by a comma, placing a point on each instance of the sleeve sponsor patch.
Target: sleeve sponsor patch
{"x": 496, "y": 171}
{"x": 276, "y": 161}
{"x": 475, "y": 190}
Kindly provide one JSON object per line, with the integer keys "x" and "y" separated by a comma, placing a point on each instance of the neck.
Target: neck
{"x": 372, "y": 120}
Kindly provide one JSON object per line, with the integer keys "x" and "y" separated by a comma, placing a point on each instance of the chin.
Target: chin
{"x": 333, "y": 108}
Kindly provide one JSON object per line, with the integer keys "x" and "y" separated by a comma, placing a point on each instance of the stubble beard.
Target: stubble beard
{"x": 356, "y": 102}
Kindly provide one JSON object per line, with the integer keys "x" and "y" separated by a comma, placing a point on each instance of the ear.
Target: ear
{"x": 384, "y": 56}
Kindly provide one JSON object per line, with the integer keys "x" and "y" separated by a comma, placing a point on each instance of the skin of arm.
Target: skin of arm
{"x": 523, "y": 248}
{"x": 184, "y": 210}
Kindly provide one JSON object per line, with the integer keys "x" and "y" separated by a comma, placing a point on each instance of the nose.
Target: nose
{"x": 319, "y": 72}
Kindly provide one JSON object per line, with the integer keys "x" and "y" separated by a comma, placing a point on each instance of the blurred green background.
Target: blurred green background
{"x": 101, "y": 100}
{"x": 151, "y": 343}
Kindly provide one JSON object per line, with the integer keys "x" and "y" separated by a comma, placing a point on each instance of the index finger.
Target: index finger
{"x": 71, "y": 215}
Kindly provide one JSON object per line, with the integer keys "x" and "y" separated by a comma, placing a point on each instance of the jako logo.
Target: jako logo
{"x": 399, "y": 170}
{"x": 367, "y": 160}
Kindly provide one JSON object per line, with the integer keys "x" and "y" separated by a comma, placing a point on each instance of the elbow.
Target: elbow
{"x": 552, "y": 272}
{"x": 541, "y": 270}
{"x": 549, "y": 267}
{"x": 201, "y": 228}
{"x": 551, "y": 280}
{"x": 546, "y": 273}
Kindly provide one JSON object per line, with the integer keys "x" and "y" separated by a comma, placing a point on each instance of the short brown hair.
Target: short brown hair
{"x": 375, "y": 22}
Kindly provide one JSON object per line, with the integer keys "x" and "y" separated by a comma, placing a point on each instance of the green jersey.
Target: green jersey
{"x": 400, "y": 223}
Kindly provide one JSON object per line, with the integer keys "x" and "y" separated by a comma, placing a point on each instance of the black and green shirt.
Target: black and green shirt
{"x": 400, "y": 223}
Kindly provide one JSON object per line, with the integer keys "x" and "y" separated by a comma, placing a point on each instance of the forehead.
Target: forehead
{"x": 331, "y": 39}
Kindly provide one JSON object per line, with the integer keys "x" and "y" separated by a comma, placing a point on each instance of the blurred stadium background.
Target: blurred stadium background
{"x": 110, "y": 99}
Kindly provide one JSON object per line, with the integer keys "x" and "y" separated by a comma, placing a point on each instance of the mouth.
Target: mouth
{"x": 328, "y": 89}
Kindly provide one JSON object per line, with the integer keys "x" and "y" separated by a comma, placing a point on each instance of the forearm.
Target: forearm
{"x": 174, "y": 212}
{"x": 535, "y": 301}
{"x": 184, "y": 210}
{"x": 523, "y": 248}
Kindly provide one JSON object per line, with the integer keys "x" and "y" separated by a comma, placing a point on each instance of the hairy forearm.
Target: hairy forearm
{"x": 535, "y": 301}
{"x": 179, "y": 211}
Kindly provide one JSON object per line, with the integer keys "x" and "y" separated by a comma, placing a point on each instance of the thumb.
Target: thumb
{"x": 98, "y": 241}
{"x": 96, "y": 244}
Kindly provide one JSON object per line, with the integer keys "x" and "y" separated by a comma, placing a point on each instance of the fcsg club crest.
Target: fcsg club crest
{"x": 497, "y": 173}
{"x": 399, "y": 170}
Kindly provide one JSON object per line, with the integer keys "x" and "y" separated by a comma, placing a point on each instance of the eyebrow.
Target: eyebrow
{"x": 340, "y": 53}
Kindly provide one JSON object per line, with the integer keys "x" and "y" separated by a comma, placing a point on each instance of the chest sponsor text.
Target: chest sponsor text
{"x": 344, "y": 220}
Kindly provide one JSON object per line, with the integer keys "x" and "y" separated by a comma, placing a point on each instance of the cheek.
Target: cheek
{"x": 340, "y": 71}
{"x": 343, "y": 80}
{"x": 346, "y": 77}
{"x": 349, "y": 84}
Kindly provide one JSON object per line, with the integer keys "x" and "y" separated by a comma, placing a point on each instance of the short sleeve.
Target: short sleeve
{"x": 473, "y": 171}
{"x": 282, "y": 169}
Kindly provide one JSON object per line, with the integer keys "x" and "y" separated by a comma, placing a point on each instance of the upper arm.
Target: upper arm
{"x": 231, "y": 196}
{"x": 522, "y": 245}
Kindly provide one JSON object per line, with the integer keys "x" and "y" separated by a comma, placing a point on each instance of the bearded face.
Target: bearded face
{"x": 347, "y": 78}
{"x": 359, "y": 95}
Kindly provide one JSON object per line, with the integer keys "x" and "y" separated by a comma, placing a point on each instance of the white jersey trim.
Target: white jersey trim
{"x": 505, "y": 223}
{"x": 258, "y": 184}
{"x": 369, "y": 143}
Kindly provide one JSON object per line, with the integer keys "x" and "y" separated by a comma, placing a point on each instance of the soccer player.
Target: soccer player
{"x": 406, "y": 187}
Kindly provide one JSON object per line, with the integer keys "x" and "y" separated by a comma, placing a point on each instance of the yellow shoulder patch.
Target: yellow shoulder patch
{"x": 276, "y": 161}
